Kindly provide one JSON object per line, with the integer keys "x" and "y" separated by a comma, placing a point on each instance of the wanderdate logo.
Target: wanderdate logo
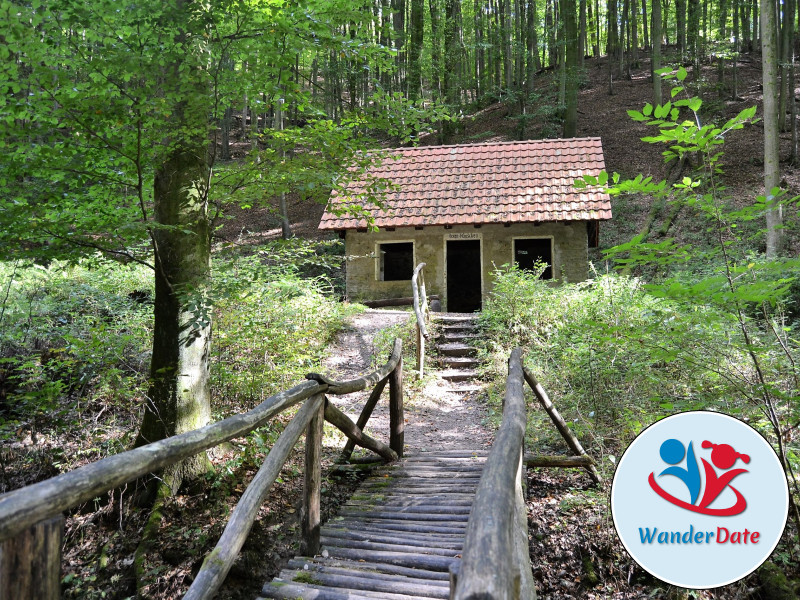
{"x": 699, "y": 499}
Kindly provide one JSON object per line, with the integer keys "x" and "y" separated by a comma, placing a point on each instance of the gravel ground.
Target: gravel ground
{"x": 438, "y": 417}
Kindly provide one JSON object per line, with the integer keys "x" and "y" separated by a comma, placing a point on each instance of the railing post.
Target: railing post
{"x": 313, "y": 482}
{"x": 420, "y": 353}
{"x": 30, "y": 562}
{"x": 396, "y": 416}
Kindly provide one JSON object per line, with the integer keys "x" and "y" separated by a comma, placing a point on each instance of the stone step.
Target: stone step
{"x": 460, "y": 362}
{"x": 455, "y": 349}
{"x": 455, "y": 317}
{"x": 459, "y": 374}
{"x": 462, "y": 336}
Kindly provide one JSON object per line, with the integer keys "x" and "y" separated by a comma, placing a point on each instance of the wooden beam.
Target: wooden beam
{"x": 570, "y": 462}
{"x": 560, "y": 424}
{"x": 313, "y": 483}
{"x": 356, "y": 385}
{"x": 397, "y": 424}
{"x": 342, "y": 422}
{"x": 29, "y": 505}
{"x": 219, "y": 561}
{"x": 492, "y": 566}
{"x": 363, "y": 418}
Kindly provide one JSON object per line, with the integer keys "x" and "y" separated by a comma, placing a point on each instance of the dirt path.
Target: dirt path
{"x": 437, "y": 417}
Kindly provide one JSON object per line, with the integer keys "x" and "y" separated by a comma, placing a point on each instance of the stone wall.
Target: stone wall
{"x": 570, "y": 255}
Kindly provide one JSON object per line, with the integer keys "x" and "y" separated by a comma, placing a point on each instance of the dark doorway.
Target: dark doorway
{"x": 463, "y": 275}
{"x": 529, "y": 251}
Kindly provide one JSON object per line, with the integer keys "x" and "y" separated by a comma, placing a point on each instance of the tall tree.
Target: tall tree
{"x": 769, "y": 64}
{"x": 680, "y": 26}
{"x": 417, "y": 27}
{"x": 655, "y": 63}
{"x": 569, "y": 18}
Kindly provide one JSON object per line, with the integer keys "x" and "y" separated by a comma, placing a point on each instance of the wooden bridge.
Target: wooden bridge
{"x": 446, "y": 524}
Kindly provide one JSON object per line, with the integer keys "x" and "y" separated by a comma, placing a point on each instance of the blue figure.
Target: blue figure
{"x": 672, "y": 452}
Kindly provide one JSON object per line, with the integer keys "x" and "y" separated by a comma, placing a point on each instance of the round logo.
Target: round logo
{"x": 699, "y": 499}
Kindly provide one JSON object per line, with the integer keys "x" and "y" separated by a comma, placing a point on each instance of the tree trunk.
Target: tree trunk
{"x": 655, "y": 64}
{"x": 507, "y": 48}
{"x": 532, "y": 49}
{"x": 582, "y": 33}
{"x": 769, "y": 60}
{"x": 634, "y": 16}
{"x": 644, "y": 25}
{"x": 736, "y": 47}
{"x": 178, "y": 399}
{"x": 415, "y": 49}
{"x": 680, "y": 24}
{"x": 569, "y": 20}
{"x": 550, "y": 26}
{"x": 787, "y": 40}
{"x": 693, "y": 35}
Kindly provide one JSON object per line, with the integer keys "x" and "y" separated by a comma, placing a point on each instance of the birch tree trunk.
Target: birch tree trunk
{"x": 769, "y": 62}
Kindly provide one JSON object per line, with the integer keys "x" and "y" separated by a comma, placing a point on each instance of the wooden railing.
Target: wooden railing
{"x": 495, "y": 564}
{"x": 31, "y": 521}
{"x": 421, "y": 313}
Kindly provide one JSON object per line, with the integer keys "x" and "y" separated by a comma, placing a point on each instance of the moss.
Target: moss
{"x": 774, "y": 583}
{"x": 306, "y": 578}
{"x": 590, "y": 578}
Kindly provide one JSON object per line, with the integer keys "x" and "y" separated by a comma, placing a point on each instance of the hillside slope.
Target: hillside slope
{"x": 605, "y": 116}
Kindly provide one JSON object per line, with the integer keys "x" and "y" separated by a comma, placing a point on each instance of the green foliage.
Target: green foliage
{"x": 708, "y": 331}
{"x": 70, "y": 334}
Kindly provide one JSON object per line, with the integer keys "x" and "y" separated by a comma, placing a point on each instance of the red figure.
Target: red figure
{"x": 724, "y": 457}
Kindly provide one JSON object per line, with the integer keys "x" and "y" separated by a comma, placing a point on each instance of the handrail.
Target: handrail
{"x": 496, "y": 563}
{"x": 23, "y": 511}
{"x": 420, "y": 310}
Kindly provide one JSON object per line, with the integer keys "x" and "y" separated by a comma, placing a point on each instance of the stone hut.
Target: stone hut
{"x": 466, "y": 209}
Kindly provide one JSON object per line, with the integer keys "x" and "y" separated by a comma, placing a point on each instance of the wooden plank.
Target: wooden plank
{"x": 219, "y": 561}
{"x": 403, "y": 559}
{"x": 278, "y": 590}
{"x": 329, "y": 543}
{"x": 406, "y": 507}
{"x": 342, "y": 422}
{"x": 312, "y": 483}
{"x": 366, "y": 584}
{"x": 432, "y": 527}
{"x": 367, "y": 574}
{"x": 30, "y": 562}
{"x": 412, "y": 538}
{"x": 31, "y": 504}
{"x": 377, "y": 568}
{"x": 399, "y": 516}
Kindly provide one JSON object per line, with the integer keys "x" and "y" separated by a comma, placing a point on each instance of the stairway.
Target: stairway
{"x": 397, "y": 536}
{"x": 456, "y": 354}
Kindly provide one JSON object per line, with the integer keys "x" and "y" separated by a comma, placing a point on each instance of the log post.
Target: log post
{"x": 313, "y": 483}
{"x": 30, "y": 562}
{"x": 420, "y": 353}
{"x": 559, "y": 422}
{"x": 396, "y": 417}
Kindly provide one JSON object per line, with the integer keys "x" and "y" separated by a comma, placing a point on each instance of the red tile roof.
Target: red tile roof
{"x": 507, "y": 182}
